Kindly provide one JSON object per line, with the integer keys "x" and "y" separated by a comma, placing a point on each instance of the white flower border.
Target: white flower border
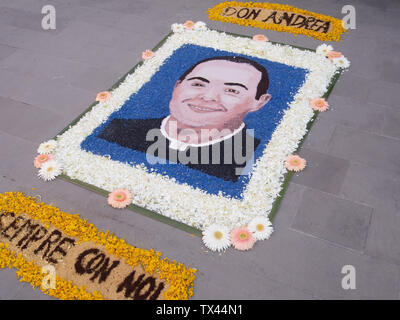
{"x": 182, "y": 202}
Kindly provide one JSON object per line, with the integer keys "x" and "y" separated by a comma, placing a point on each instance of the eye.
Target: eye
{"x": 230, "y": 90}
{"x": 197, "y": 84}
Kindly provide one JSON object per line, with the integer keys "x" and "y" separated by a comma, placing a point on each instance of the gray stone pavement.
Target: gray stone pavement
{"x": 344, "y": 209}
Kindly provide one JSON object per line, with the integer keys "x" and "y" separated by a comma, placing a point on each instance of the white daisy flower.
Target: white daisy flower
{"x": 324, "y": 49}
{"x": 200, "y": 26}
{"x": 49, "y": 170}
{"x": 47, "y": 147}
{"x": 341, "y": 62}
{"x": 216, "y": 237}
{"x": 177, "y": 28}
{"x": 261, "y": 227}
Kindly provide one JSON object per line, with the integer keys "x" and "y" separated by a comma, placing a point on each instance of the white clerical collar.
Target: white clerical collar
{"x": 182, "y": 146}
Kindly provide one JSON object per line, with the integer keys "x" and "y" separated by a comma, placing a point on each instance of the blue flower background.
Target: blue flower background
{"x": 152, "y": 101}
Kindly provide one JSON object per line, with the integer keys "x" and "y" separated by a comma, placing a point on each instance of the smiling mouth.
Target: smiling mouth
{"x": 197, "y": 108}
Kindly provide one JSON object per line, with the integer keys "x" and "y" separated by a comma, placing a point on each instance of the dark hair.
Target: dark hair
{"x": 262, "y": 85}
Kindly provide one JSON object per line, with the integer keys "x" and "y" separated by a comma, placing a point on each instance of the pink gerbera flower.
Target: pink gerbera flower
{"x": 119, "y": 198}
{"x": 319, "y": 104}
{"x": 148, "y": 54}
{"x": 42, "y": 158}
{"x": 242, "y": 238}
{"x": 189, "y": 24}
{"x": 103, "y": 96}
{"x": 260, "y": 37}
{"x": 334, "y": 54}
{"x": 295, "y": 163}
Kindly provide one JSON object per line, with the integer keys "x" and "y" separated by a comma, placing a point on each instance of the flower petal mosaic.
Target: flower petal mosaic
{"x": 279, "y": 17}
{"x": 87, "y": 264}
{"x": 104, "y": 147}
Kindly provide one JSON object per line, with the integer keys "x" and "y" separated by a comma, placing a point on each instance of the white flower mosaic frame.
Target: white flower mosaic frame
{"x": 181, "y": 202}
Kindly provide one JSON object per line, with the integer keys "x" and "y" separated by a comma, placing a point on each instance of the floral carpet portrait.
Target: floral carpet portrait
{"x": 106, "y": 149}
{"x": 152, "y": 101}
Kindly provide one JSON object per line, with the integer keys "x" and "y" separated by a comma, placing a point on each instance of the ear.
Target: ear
{"x": 261, "y": 102}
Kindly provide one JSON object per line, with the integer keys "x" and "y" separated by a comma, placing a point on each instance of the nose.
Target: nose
{"x": 211, "y": 94}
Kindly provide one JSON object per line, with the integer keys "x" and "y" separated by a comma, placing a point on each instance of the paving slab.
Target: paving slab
{"x": 50, "y": 94}
{"x": 29, "y": 20}
{"x": 37, "y": 65}
{"x": 9, "y": 284}
{"x": 28, "y": 122}
{"x": 362, "y": 146}
{"x": 289, "y": 205}
{"x": 320, "y": 134}
{"x": 24, "y": 38}
{"x": 5, "y": 51}
{"x": 385, "y": 93}
{"x": 334, "y": 219}
{"x": 383, "y": 239}
{"x": 353, "y": 113}
{"x": 353, "y": 86}
{"x": 323, "y": 172}
{"x": 390, "y": 70}
{"x": 375, "y": 187}
{"x": 391, "y": 123}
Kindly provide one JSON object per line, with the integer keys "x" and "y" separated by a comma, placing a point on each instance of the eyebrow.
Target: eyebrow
{"x": 235, "y": 84}
{"x": 199, "y": 78}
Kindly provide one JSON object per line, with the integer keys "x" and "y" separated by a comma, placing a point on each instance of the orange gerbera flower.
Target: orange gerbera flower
{"x": 119, "y": 198}
{"x": 319, "y": 104}
{"x": 42, "y": 158}
{"x": 148, "y": 54}
{"x": 103, "y": 96}
{"x": 260, "y": 37}
{"x": 295, "y": 163}
{"x": 189, "y": 24}
{"x": 334, "y": 54}
{"x": 242, "y": 238}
